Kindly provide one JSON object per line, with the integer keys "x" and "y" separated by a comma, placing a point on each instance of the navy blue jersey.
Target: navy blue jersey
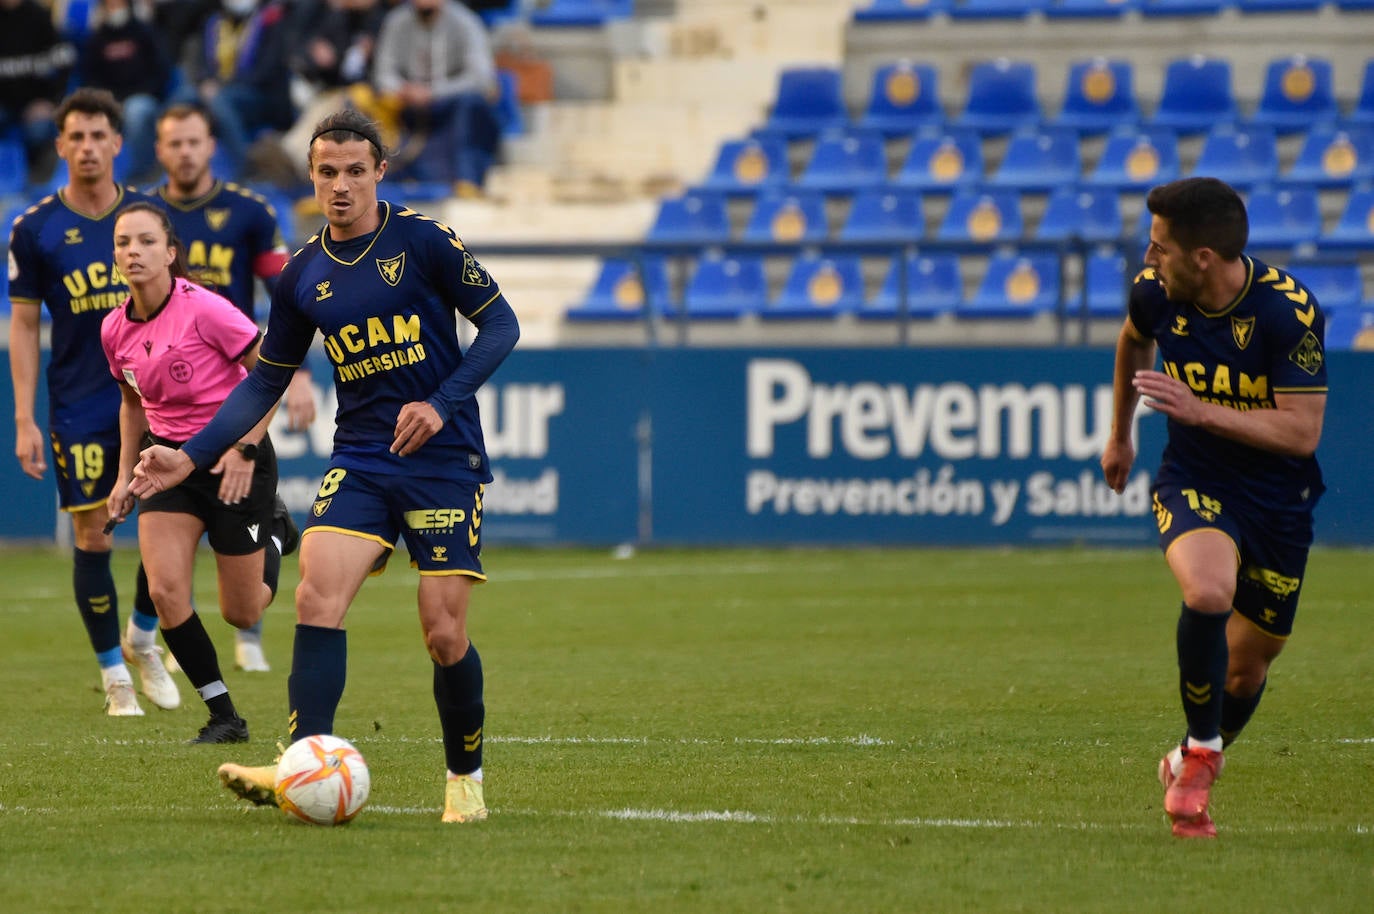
{"x": 1269, "y": 340}
{"x": 387, "y": 305}
{"x": 224, "y": 233}
{"x": 65, "y": 259}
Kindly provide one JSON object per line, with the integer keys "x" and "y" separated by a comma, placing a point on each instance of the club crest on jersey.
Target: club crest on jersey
{"x": 392, "y": 268}
{"x": 322, "y": 291}
{"x": 216, "y": 218}
{"x": 320, "y": 506}
{"x": 474, "y": 274}
{"x": 1242, "y": 331}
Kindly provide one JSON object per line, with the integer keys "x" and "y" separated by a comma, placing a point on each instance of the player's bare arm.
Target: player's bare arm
{"x": 1134, "y": 353}
{"x": 416, "y": 424}
{"x": 133, "y": 421}
{"x": 1293, "y": 428}
{"x": 29, "y": 446}
{"x": 300, "y": 402}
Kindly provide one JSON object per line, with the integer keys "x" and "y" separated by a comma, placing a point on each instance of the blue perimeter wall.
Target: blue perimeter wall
{"x": 807, "y": 446}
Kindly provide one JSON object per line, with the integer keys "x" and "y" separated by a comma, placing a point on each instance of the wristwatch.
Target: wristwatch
{"x": 249, "y": 451}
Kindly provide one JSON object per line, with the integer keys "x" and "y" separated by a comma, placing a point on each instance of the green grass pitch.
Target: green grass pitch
{"x": 734, "y": 730}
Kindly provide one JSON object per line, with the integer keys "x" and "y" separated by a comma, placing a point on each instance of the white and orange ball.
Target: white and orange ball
{"x": 322, "y": 780}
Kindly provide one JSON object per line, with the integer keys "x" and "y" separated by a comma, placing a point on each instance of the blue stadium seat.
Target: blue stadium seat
{"x": 623, "y": 289}
{"x": 786, "y": 216}
{"x": 1039, "y": 159}
{"x": 809, "y": 100}
{"x": 696, "y": 217}
{"x": 747, "y": 166}
{"x": 1136, "y": 159}
{"x": 1354, "y": 231}
{"x": 900, "y": 10}
{"x": 508, "y": 112}
{"x": 74, "y": 20}
{"x": 982, "y": 216}
{"x": 1335, "y": 156}
{"x": 581, "y": 13}
{"x": 1099, "y": 94}
{"x": 942, "y": 160}
{"x": 1282, "y": 218}
{"x": 1105, "y": 279}
{"x": 1016, "y": 285}
{"x": 1297, "y": 94}
{"x": 1174, "y": 8}
{"x": 1197, "y": 95}
{"x": 994, "y": 9}
{"x": 934, "y": 286}
{"x": 1242, "y": 155}
{"x": 1087, "y": 213}
{"x": 885, "y": 214}
{"x": 1350, "y": 329}
{"x": 1279, "y": 6}
{"x": 1363, "y": 112}
{"x": 1090, "y": 9}
{"x": 819, "y": 286}
{"x": 14, "y": 169}
{"x": 1338, "y": 285}
{"x": 844, "y": 161}
{"x": 1001, "y": 97}
{"x": 725, "y": 286}
{"x": 904, "y": 98}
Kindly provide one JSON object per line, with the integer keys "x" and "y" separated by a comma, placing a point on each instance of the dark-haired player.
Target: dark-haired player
{"x": 385, "y": 286}
{"x": 231, "y": 239}
{"x": 1243, "y": 383}
{"x": 61, "y": 256}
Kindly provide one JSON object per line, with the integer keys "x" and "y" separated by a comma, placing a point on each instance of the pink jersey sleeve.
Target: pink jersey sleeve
{"x": 222, "y": 326}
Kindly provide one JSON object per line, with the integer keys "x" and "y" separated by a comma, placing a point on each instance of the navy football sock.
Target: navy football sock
{"x": 143, "y": 600}
{"x": 458, "y": 696}
{"x": 319, "y": 666}
{"x": 1236, "y": 713}
{"x": 190, "y": 643}
{"x": 1202, "y": 655}
{"x": 96, "y": 599}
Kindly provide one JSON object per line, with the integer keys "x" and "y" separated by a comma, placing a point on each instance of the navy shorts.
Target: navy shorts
{"x": 240, "y": 529}
{"x": 85, "y": 448}
{"x": 1272, "y": 546}
{"x": 440, "y": 519}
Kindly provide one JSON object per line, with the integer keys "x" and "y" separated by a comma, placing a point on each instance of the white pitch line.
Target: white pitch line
{"x": 710, "y": 817}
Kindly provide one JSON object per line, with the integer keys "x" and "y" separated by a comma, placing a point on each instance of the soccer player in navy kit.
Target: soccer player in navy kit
{"x": 385, "y": 286}
{"x": 231, "y": 239}
{"x": 62, "y": 255}
{"x": 1244, "y": 388}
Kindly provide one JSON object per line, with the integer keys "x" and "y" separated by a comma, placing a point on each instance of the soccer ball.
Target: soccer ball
{"x": 322, "y": 780}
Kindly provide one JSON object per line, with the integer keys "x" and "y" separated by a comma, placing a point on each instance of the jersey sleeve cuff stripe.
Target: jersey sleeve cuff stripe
{"x": 484, "y": 305}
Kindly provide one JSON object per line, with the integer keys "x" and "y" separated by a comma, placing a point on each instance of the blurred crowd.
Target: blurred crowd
{"x": 266, "y": 71}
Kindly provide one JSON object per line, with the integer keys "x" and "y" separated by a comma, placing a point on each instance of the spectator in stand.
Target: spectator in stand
{"x": 241, "y": 74}
{"x": 331, "y": 66}
{"x": 34, "y": 65}
{"x": 124, "y": 54}
{"x": 434, "y": 62}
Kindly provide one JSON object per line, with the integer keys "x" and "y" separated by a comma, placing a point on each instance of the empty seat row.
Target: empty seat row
{"x": 1281, "y": 218}
{"x": 879, "y": 11}
{"x": 1042, "y": 158}
{"x": 1011, "y": 283}
{"x": 1197, "y": 94}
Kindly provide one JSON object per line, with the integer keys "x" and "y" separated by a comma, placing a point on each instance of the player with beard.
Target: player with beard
{"x": 1243, "y": 384}
{"x": 232, "y": 239}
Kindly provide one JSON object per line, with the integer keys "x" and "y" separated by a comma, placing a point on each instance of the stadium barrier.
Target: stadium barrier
{"x": 807, "y": 446}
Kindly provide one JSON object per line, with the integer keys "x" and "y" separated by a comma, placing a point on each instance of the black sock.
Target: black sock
{"x": 1236, "y": 713}
{"x": 271, "y": 567}
{"x": 319, "y": 667}
{"x": 191, "y": 645}
{"x": 458, "y": 696}
{"x": 143, "y": 601}
{"x": 96, "y": 599}
{"x": 1202, "y": 655}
